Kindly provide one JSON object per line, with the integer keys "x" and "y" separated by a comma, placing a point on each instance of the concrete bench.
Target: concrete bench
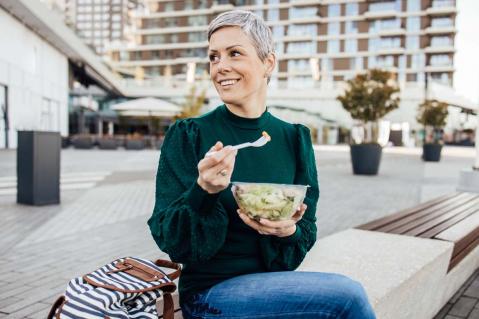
{"x": 410, "y": 263}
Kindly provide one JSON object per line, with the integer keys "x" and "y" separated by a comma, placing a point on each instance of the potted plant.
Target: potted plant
{"x": 134, "y": 142}
{"x": 432, "y": 114}
{"x": 107, "y": 142}
{"x": 82, "y": 141}
{"x": 368, "y": 98}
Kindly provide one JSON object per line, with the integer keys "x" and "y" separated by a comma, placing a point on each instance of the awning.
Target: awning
{"x": 147, "y": 107}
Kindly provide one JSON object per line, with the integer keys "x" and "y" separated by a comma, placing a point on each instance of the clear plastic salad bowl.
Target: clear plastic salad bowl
{"x": 266, "y": 200}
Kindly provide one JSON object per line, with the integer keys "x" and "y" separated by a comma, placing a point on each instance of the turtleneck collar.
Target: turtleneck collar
{"x": 244, "y": 122}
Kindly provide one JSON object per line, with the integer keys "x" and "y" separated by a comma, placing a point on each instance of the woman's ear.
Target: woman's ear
{"x": 270, "y": 64}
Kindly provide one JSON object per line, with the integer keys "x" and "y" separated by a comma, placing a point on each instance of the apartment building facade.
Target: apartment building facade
{"x": 97, "y": 22}
{"x": 319, "y": 44}
{"x": 314, "y": 40}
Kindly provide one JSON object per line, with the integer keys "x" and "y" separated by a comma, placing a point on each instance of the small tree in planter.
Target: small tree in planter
{"x": 432, "y": 114}
{"x": 368, "y": 98}
{"x": 193, "y": 104}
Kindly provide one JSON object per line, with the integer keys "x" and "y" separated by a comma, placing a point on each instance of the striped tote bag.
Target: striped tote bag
{"x": 125, "y": 288}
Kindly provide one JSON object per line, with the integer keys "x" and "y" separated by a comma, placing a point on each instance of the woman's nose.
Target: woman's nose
{"x": 223, "y": 66}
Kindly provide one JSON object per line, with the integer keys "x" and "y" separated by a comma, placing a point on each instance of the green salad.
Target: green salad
{"x": 265, "y": 201}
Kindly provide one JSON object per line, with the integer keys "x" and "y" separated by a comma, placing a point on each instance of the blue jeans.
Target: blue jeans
{"x": 288, "y": 294}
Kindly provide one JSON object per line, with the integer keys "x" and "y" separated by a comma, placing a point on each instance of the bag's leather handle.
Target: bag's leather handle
{"x": 170, "y": 264}
{"x": 56, "y": 306}
{"x": 168, "y": 307}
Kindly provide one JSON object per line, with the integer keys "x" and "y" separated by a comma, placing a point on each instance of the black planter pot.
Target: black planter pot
{"x": 83, "y": 143}
{"x": 134, "y": 144}
{"x": 366, "y": 158}
{"x": 431, "y": 152}
{"x": 107, "y": 144}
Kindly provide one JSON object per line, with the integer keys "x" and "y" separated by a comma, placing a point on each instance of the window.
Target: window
{"x": 352, "y": 9}
{"x": 351, "y": 45}
{"x": 301, "y": 47}
{"x": 334, "y": 28}
{"x": 273, "y": 15}
{"x": 197, "y": 20}
{"x": 412, "y": 43}
{"x": 441, "y": 22}
{"x": 441, "y": 78}
{"x": 174, "y": 38}
{"x": 197, "y": 36}
{"x": 357, "y": 64}
{"x": 169, "y": 6}
{"x": 413, "y": 5}
{"x": 279, "y": 47}
{"x": 351, "y": 27}
{"x": 442, "y": 3}
{"x": 382, "y": 6}
{"x": 306, "y": 12}
{"x": 278, "y": 31}
{"x": 440, "y": 60}
{"x": 298, "y": 66}
{"x": 384, "y": 24}
{"x": 302, "y": 29}
{"x": 390, "y": 42}
{"x": 333, "y": 46}
{"x": 385, "y": 61}
{"x": 413, "y": 24}
{"x": 418, "y": 61}
{"x": 171, "y": 22}
{"x": 441, "y": 41}
{"x": 155, "y": 39}
{"x": 334, "y": 10}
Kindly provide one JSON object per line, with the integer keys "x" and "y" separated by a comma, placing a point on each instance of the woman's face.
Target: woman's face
{"x": 235, "y": 68}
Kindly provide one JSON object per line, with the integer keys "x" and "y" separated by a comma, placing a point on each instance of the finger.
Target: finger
{"x": 248, "y": 221}
{"x": 277, "y": 224}
{"x": 298, "y": 215}
{"x": 213, "y": 160}
{"x": 226, "y": 164}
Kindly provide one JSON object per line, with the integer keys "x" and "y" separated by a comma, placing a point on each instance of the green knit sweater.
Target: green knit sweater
{"x": 203, "y": 231}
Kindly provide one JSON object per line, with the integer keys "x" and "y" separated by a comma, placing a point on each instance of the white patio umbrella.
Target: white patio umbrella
{"x": 147, "y": 107}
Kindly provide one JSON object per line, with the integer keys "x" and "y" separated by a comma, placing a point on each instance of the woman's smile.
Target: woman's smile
{"x": 228, "y": 83}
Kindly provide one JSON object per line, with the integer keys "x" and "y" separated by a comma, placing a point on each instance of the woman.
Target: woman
{"x": 235, "y": 266}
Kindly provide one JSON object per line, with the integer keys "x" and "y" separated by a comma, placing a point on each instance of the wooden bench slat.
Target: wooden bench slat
{"x": 425, "y": 224}
{"x": 431, "y": 233}
{"x": 462, "y": 234}
{"x": 409, "y": 222}
{"x": 463, "y": 253}
{"x": 373, "y": 225}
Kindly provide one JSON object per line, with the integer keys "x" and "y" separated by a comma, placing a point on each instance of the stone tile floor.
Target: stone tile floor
{"x": 43, "y": 247}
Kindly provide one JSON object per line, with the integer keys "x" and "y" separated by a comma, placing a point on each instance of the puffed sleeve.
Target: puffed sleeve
{"x": 287, "y": 253}
{"x": 187, "y": 223}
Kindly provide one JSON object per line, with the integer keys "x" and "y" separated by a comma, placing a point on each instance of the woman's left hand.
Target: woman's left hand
{"x": 280, "y": 228}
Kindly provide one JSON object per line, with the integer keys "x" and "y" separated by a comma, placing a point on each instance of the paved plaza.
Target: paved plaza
{"x": 107, "y": 197}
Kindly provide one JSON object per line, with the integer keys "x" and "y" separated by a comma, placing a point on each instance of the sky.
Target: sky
{"x": 466, "y": 60}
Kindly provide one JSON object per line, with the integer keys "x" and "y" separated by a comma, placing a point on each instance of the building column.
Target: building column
{"x": 110, "y": 128}
{"x": 100, "y": 127}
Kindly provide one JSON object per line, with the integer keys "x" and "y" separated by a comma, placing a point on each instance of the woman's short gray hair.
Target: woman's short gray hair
{"x": 252, "y": 25}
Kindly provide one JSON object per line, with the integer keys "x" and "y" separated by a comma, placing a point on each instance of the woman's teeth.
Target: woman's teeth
{"x": 228, "y": 82}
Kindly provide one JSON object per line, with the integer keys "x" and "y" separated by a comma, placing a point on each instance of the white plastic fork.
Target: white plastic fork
{"x": 258, "y": 143}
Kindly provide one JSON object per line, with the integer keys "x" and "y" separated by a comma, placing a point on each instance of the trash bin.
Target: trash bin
{"x": 38, "y": 168}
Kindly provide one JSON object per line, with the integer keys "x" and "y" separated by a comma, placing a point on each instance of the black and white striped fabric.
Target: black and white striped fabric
{"x": 125, "y": 288}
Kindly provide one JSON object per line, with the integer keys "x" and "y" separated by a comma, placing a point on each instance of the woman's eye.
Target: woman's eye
{"x": 212, "y": 57}
{"x": 235, "y": 52}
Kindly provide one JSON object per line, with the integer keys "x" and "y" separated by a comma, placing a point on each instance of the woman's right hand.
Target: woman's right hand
{"x": 215, "y": 171}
